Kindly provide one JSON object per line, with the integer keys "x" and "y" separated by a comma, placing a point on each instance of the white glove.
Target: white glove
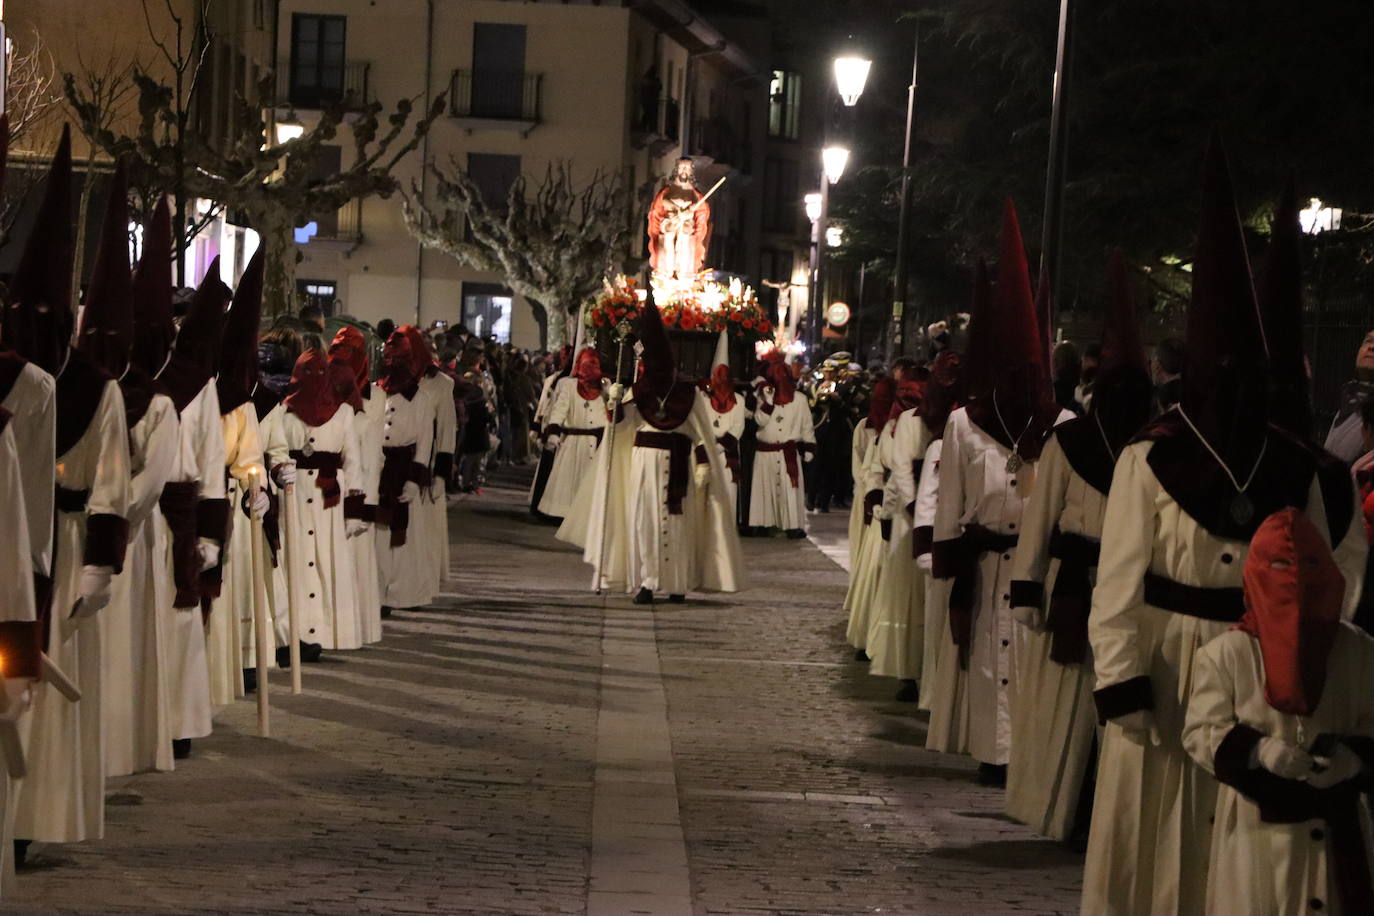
{"x": 16, "y": 695}
{"x": 551, "y": 443}
{"x": 259, "y": 504}
{"x": 409, "y": 493}
{"x": 880, "y": 512}
{"x": 94, "y": 590}
{"x": 702, "y": 474}
{"x": 1342, "y": 765}
{"x": 284, "y": 474}
{"x": 1283, "y": 759}
{"x": 807, "y": 456}
{"x": 354, "y": 527}
{"x": 925, "y": 563}
{"x": 617, "y": 392}
{"x": 209, "y": 553}
{"x": 1140, "y": 726}
{"x": 1030, "y": 617}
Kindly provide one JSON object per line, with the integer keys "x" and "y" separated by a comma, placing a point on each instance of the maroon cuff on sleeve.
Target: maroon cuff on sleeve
{"x": 355, "y": 506}
{"x": 922, "y": 538}
{"x": 21, "y": 648}
{"x": 701, "y": 456}
{"x": 946, "y": 557}
{"x": 553, "y": 430}
{"x": 806, "y": 448}
{"x": 1364, "y": 749}
{"x": 107, "y": 537}
{"x": 419, "y": 474}
{"x": 1025, "y": 593}
{"x": 443, "y": 465}
{"x": 1128, "y": 696}
{"x": 1232, "y": 759}
{"x": 212, "y": 519}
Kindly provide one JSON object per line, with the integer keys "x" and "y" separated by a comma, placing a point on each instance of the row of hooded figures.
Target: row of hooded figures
{"x": 1138, "y": 625}
{"x": 158, "y": 502}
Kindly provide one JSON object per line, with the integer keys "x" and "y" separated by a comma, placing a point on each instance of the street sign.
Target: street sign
{"x": 838, "y": 314}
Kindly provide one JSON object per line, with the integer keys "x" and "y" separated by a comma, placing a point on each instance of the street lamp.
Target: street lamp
{"x": 851, "y": 73}
{"x": 833, "y": 161}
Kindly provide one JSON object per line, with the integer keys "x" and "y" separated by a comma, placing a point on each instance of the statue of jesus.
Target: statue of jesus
{"x": 679, "y": 225}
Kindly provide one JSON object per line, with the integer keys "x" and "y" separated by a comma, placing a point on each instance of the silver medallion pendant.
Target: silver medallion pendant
{"x": 1014, "y": 463}
{"x": 307, "y": 450}
{"x": 1242, "y": 509}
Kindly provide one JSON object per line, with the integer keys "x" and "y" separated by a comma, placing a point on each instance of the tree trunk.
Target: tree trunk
{"x": 558, "y": 323}
{"x": 279, "y": 280}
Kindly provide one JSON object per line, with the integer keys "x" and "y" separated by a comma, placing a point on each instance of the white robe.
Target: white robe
{"x": 1053, "y": 721}
{"x": 200, "y": 458}
{"x": 576, "y": 454}
{"x": 229, "y": 640}
{"x": 858, "y": 454}
{"x": 137, "y": 705}
{"x": 317, "y": 553}
{"x": 405, "y": 573}
{"x": 63, "y": 796}
{"x": 860, "y": 601}
{"x": 16, "y": 604}
{"x": 33, "y": 402}
{"x": 432, "y": 509}
{"x": 368, "y": 428}
{"x": 944, "y": 685}
{"x": 644, "y": 544}
{"x": 1258, "y": 867}
{"x": 976, "y": 488}
{"x": 774, "y": 500}
{"x": 730, "y": 423}
{"x": 1150, "y": 835}
{"x": 896, "y": 628}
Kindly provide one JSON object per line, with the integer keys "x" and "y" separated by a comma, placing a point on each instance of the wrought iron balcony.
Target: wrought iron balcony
{"x": 316, "y": 87}
{"x": 496, "y": 99}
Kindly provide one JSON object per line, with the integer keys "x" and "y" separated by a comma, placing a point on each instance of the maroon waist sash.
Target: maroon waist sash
{"x": 178, "y": 503}
{"x": 326, "y": 465}
{"x": 789, "y": 451}
{"x": 729, "y": 443}
{"x": 399, "y": 467}
{"x": 679, "y": 449}
{"x": 963, "y": 593}
{"x": 1072, "y": 596}
{"x": 596, "y": 431}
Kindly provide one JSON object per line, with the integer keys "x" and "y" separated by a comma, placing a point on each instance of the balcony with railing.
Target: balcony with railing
{"x": 496, "y": 100}
{"x": 312, "y": 86}
{"x": 657, "y": 124}
{"x": 718, "y": 139}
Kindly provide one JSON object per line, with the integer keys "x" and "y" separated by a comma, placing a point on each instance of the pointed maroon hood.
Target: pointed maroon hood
{"x": 153, "y": 321}
{"x": 238, "y": 366}
{"x": 107, "y": 321}
{"x": 664, "y": 401}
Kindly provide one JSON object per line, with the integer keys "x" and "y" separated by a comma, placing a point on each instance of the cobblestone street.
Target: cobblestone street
{"x": 525, "y": 747}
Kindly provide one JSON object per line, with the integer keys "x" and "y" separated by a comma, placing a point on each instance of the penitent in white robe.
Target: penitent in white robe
{"x": 976, "y": 488}
{"x": 1259, "y": 867}
{"x": 645, "y": 545}
{"x": 1053, "y": 722}
{"x": 32, "y": 402}
{"x": 200, "y": 457}
{"x": 775, "y": 500}
{"x": 896, "y": 629}
{"x": 577, "y": 421}
{"x": 1150, "y": 835}
{"x": 229, "y": 639}
{"x": 860, "y": 600}
{"x": 137, "y": 706}
{"x": 16, "y": 604}
{"x": 944, "y": 684}
{"x": 730, "y": 423}
{"x": 858, "y": 455}
{"x": 405, "y": 573}
{"x": 432, "y": 509}
{"x": 367, "y": 426}
{"x": 63, "y": 796}
{"x": 317, "y": 553}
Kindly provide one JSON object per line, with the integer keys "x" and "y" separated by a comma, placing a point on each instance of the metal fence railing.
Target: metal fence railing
{"x": 314, "y": 87}
{"x": 496, "y": 94}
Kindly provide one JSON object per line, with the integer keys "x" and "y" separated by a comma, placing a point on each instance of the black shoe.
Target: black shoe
{"x": 993, "y": 775}
{"x": 284, "y": 657}
{"x": 386, "y": 611}
{"x": 21, "y": 852}
{"x": 795, "y": 534}
{"x": 677, "y": 599}
{"x": 644, "y": 596}
{"x": 250, "y": 680}
{"x": 909, "y": 692}
{"x": 181, "y": 748}
{"x": 311, "y": 652}
{"x": 861, "y": 656}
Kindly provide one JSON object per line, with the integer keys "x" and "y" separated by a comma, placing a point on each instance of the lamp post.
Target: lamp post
{"x": 833, "y": 162}
{"x": 899, "y": 272}
{"x": 1050, "y": 243}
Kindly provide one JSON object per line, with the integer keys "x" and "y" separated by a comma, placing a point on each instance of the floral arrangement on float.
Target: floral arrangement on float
{"x": 617, "y": 308}
{"x": 711, "y": 307}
